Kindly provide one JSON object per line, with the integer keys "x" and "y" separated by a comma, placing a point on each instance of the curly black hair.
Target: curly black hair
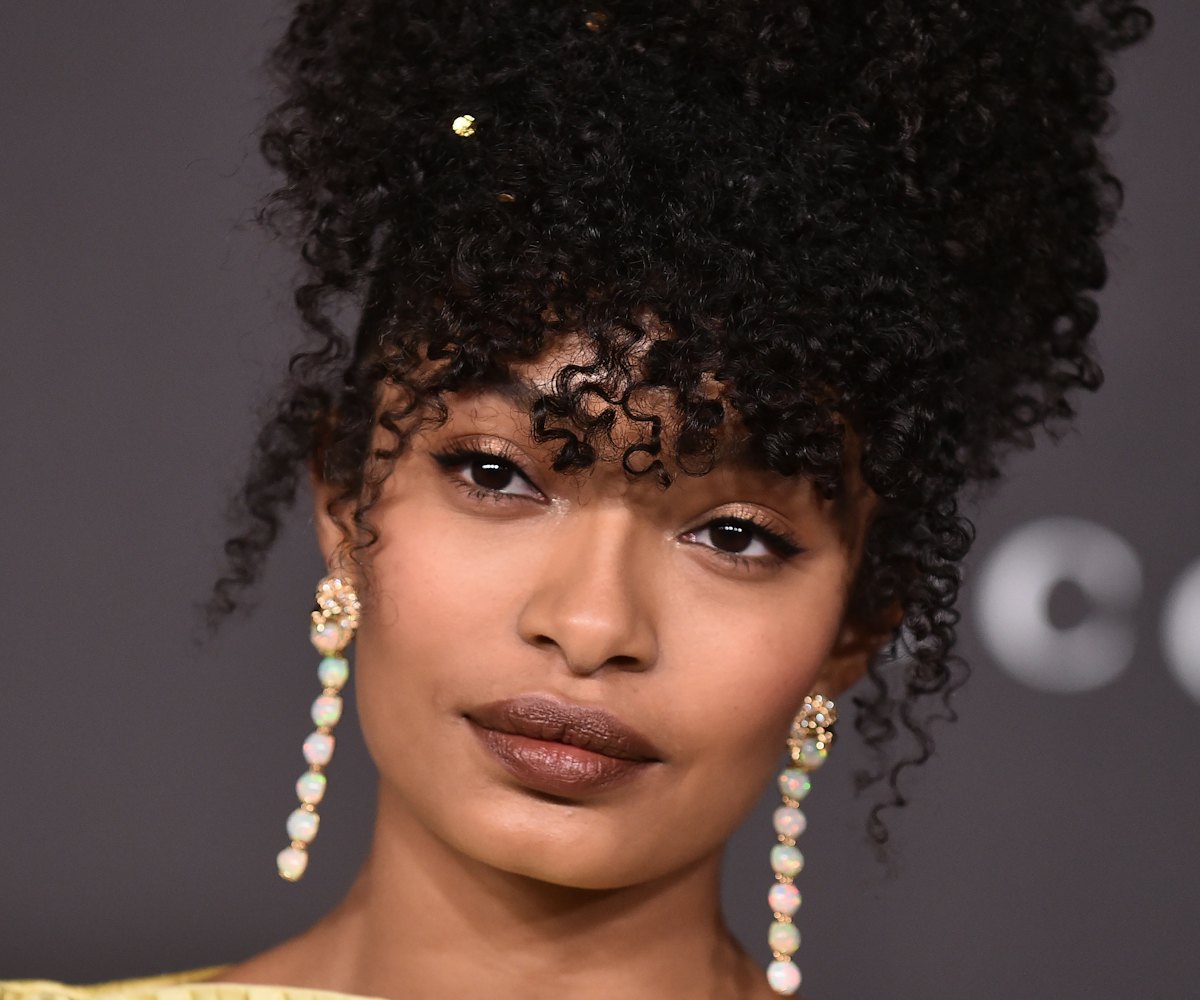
{"x": 869, "y": 217}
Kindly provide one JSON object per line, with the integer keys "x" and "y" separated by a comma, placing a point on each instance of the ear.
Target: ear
{"x": 328, "y": 522}
{"x": 857, "y": 645}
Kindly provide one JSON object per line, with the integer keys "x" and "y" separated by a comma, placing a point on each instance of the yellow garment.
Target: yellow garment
{"x": 176, "y": 986}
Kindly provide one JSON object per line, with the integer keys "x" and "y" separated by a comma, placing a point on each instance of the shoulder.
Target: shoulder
{"x": 170, "y": 984}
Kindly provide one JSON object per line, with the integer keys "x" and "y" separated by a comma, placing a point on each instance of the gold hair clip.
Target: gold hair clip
{"x": 464, "y": 125}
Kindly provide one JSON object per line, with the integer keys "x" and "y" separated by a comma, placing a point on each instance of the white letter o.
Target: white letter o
{"x": 1012, "y": 604}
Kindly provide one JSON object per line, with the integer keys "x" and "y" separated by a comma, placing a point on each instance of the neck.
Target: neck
{"x": 424, "y": 921}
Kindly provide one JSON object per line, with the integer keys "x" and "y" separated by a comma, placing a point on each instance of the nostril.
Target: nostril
{"x": 586, "y": 631}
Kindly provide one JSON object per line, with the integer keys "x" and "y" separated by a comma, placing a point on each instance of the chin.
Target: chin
{"x": 568, "y": 872}
{"x": 573, "y": 849}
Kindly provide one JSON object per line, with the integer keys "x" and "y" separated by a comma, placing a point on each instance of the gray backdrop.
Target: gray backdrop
{"x": 1050, "y": 848}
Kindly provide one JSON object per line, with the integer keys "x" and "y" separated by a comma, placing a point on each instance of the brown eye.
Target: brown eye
{"x": 744, "y": 541}
{"x": 491, "y": 473}
{"x": 731, "y": 536}
{"x": 485, "y": 474}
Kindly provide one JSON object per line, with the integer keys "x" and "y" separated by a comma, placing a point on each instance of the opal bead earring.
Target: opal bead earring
{"x": 333, "y": 624}
{"x": 808, "y": 745}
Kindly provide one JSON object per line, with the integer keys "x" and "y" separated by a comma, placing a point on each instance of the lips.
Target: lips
{"x": 560, "y": 748}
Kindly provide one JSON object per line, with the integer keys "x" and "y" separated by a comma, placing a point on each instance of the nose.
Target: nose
{"x": 593, "y": 599}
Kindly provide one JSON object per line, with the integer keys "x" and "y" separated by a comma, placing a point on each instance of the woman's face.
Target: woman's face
{"x": 584, "y": 678}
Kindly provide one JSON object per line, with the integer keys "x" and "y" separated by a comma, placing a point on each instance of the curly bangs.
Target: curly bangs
{"x": 874, "y": 216}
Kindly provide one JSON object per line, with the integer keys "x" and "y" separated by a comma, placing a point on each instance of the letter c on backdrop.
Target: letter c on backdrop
{"x": 1181, "y": 630}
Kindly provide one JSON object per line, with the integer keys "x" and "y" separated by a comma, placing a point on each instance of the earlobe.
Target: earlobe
{"x": 843, "y": 668}
{"x": 852, "y": 654}
{"x": 328, "y": 524}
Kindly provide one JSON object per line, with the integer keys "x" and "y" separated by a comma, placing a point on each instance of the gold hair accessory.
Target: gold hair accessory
{"x": 596, "y": 20}
{"x": 464, "y": 125}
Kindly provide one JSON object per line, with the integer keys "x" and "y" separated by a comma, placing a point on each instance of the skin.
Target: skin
{"x": 594, "y": 589}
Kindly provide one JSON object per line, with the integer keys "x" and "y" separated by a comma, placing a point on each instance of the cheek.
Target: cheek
{"x": 434, "y": 623}
{"x": 744, "y": 672}
{"x": 752, "y": 662}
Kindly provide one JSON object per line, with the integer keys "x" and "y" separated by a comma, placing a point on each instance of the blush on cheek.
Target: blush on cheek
{"x": 767, "y": 676}
{"x": 429, "y": 581}
{"x": 752, "y": 725}
{"x": 437, "y": 615}
{"x": 744, "y": 688}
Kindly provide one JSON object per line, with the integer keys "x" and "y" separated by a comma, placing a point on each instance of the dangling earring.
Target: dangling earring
{"x": 333, "y": 624}
{"x": 808, "y": 746}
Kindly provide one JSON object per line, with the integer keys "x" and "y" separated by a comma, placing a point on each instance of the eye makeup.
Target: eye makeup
{"x": 484, "y": 469}
{"x": 492, "y": 471}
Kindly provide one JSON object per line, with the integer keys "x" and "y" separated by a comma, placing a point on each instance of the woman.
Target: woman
{"x": 680, "y": 330}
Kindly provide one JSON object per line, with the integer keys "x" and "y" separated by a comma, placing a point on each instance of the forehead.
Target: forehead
{"x": 609, "y": 394}
{"x": 566, "y": 388}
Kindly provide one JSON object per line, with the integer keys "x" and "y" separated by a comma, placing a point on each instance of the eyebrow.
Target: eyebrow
{"x": 515, "y": 389}
{"x": 522, "y": 393}
{"x": 736, "y": 457}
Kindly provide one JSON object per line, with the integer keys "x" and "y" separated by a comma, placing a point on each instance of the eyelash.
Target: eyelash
{"x": 454, "y": 457}
{"x": 782, "y": 548}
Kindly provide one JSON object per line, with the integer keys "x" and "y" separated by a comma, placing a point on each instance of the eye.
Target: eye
{"x": 485, "y": 474}
{"x": 733, "y": 537}
{"x": 744, "y": 541}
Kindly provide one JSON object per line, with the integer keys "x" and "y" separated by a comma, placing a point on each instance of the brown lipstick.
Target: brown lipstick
{"x": 559, "y": 748}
